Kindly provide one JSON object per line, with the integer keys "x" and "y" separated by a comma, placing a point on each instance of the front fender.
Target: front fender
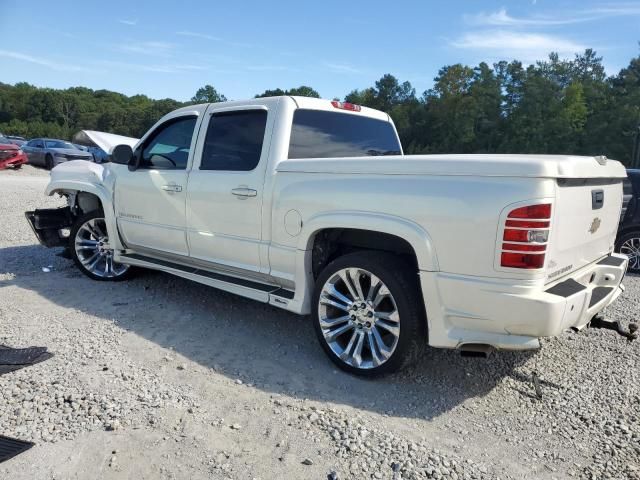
{"x": 87, "y": 177}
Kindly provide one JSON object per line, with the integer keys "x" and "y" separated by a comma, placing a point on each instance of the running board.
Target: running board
{"x": 262, "y": 292}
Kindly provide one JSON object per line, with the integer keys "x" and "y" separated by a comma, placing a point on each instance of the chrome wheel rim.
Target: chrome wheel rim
{"x": 631, "y": 248}
{"x": 94, "y": 252}
{"x": 359, "y": 318}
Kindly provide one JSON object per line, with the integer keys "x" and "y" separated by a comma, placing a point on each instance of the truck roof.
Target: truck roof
{"x": 307, "y": 103}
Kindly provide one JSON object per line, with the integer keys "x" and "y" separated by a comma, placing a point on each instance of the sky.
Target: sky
{"x": 170, "y": 49}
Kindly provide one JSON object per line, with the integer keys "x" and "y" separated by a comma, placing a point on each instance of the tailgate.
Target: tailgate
{"x": 585, "y": 223}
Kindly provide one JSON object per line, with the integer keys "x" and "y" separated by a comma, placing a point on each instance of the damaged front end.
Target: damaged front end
{"x": 51, "y": 225}
{"x": 83, "y": 184}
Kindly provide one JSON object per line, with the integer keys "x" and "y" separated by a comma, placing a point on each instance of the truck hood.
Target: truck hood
{"x": 106, "y": 141}
{"x": 485, "y": 165}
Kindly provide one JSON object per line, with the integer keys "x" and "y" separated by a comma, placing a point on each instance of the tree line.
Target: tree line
{"x": 562, "y": 106}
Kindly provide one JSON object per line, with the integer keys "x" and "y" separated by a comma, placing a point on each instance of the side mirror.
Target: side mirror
{"x": 122, "y": 154}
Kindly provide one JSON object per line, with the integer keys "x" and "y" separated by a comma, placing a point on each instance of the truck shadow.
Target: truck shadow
{"x": 274, "y": 350}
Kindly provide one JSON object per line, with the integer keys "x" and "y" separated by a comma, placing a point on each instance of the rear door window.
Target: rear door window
{"x": 234, "y": 140}
{"x": 321, "y": 134}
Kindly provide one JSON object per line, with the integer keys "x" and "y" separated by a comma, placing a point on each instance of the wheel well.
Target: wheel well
{"x": 626, "y": 230}
{"x": 87, "y": 202}
{"x": 332, "y": 243}
{"x": 81, "y": 202}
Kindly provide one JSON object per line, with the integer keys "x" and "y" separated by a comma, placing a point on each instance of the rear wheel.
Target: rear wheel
{"x": 91, "y": 251}
{"x": 629, "y": 245}
{"x": 368, "y": 313}
{"x": 18, "y": 166}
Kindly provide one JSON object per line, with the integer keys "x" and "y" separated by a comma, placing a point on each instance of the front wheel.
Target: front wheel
{"x": 368, "y": 313}
{"x": 91, "y": 251}
{"x": 629, "y": 245}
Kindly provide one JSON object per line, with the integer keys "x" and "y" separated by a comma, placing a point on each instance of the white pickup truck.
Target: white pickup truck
{"x": 311, "y": 206}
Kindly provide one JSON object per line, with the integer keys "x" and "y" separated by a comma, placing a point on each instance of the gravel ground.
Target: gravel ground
{"x": 159, "y": 377}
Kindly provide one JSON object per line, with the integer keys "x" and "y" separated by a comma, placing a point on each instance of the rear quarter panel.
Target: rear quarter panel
{"x": 458, "y": 215}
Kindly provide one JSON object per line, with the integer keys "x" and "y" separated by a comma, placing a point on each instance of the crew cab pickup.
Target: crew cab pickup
{"x": 310, "y": 205}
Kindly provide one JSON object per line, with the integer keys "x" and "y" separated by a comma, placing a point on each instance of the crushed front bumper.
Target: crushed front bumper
{"x": 14, "y": 160}
{"x": 48, "y": 225}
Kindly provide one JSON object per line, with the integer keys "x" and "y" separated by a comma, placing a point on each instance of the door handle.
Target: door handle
{"x": 172, "y": 187}
{"x": 244, "y": 192}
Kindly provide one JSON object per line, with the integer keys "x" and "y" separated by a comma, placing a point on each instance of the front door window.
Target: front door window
{"x": 168, "y": 147}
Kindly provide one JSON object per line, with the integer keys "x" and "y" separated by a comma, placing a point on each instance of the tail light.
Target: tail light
{"x": 525, "y": 237}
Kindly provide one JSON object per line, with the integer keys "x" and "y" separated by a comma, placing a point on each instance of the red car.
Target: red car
{"x": 10, "y": 155}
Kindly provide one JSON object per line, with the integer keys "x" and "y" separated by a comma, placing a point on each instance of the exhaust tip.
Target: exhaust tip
{"x": 470, "y": 354}
{"x": 475, "y": 350}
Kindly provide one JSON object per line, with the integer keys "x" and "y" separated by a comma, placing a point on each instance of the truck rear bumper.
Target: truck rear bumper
{"x": 475, "y": 310}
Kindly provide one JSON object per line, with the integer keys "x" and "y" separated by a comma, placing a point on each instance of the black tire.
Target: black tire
{"x": 17, "y": 167}
{"x": 81, "y": 220}
{"x": 402, "y": 282}
{"x": 48, "y": 161}
{"x": 634, "y": 237}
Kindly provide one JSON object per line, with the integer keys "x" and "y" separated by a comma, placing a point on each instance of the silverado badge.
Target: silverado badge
{"x": 595, "y": 225}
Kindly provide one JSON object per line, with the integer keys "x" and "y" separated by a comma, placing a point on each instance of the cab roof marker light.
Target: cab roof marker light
{"x": 346, "y": 106}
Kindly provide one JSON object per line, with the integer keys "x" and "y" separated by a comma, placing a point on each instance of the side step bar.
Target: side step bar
{"x": 262, "y": 292}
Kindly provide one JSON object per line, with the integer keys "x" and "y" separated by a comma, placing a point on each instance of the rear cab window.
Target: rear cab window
{"x": 323, "y": 134}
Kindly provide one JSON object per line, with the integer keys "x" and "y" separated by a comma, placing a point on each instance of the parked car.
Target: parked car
{"x": 628, "y": 241}
{"x": 99, "y": 155}
{"x": 310, "y": 205}
{"x": 49, "y": 152}
{"x": 19, "y": 141}
{"x": 10, "y": 155}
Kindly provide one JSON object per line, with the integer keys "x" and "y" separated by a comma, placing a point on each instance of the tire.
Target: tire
{"x": 397, "y": 298}
{"x": 88, "y": 245}
{"x": 629, "y": 244}
{"x": 17, "y": 167}
{"x": 48, "y": 162}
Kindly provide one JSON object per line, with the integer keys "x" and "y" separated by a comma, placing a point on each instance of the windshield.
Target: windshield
{"x": 4, "y": 139}
{"x": 58, "y": 144}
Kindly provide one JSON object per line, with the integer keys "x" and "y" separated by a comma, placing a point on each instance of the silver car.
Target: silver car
{"x": 48, "y": 152}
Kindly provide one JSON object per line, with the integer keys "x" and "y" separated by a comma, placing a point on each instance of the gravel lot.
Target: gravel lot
{"x": 159, "y": 377}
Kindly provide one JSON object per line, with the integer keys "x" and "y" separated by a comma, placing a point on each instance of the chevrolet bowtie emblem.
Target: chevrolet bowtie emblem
{"x": 595, "y": 225}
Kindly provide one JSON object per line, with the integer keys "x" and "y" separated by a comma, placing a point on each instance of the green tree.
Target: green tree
{"x": 452, "y": 110}
{"x": 301, "y": 91}
{"x": 387, "y": 93}
{"x": 278, "y": 92}
{"x": 208, "y": 94}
